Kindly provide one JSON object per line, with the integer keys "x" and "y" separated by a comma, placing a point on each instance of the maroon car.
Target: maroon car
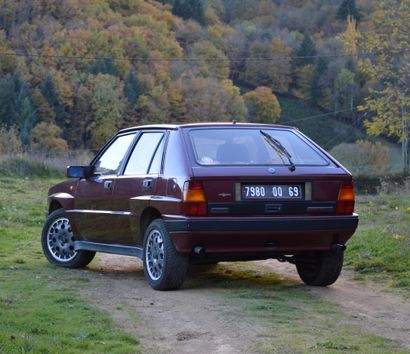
{"x": 179, "y": 194}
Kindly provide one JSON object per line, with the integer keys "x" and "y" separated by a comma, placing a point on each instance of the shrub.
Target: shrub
{"x": 47, "y": 137}
{"x": 363, "y": 157}
{"x": 10, "y": 142}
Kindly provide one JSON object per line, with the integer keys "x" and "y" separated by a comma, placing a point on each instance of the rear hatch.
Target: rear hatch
{"x": 242, "y": 183}
{"x": 256, "y": 191}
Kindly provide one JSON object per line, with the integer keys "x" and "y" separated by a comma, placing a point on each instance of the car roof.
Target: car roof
{"x": 206, "y": 125}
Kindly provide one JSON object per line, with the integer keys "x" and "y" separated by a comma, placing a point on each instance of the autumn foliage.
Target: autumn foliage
{"x": 72, "y": 72}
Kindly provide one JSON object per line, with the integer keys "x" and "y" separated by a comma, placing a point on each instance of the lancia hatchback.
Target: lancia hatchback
{"x": 203, "y": 193}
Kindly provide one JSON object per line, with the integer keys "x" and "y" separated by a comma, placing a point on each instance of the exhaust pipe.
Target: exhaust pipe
{"x": 199, "y": 250}
{"x": 338, "y": 248}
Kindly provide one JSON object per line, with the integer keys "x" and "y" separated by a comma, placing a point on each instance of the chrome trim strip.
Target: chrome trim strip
{"x": 108, "y": 248}
{"x": 105, "y": 212}
{"x": 62, "y": 196}
{"x": 157, "y": 198}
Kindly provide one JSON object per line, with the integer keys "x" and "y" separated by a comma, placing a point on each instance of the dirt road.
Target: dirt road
{"x": 202, "y": 318}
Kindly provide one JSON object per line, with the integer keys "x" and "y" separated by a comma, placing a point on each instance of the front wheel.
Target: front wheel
{"x": 164, "y": 267}
{"x": 320, "y": 269}
{"x": 57, "y": 240}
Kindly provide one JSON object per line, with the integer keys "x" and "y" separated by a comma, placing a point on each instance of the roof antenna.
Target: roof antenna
{"x": 234, "y": 121}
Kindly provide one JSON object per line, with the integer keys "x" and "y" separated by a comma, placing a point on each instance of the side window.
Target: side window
{"x": 110, "y": 161}
{"x": 146, "y": 155}
{"x": 155, "y": 167}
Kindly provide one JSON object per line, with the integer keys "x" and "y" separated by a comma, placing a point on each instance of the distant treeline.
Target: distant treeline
{"x": 73, "y": 72}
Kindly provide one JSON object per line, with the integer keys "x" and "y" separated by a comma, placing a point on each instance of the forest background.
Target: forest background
{"x": 73, "y": 72}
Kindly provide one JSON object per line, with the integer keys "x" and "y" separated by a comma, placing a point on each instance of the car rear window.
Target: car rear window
{"x": 240, "y": 146}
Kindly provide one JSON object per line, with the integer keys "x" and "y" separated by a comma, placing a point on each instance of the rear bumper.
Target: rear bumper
{"x": 274, "y": 235}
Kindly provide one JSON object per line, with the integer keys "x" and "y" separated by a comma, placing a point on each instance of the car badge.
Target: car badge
{"x": 271, "y": 170}
{"x": 223, "y": 195}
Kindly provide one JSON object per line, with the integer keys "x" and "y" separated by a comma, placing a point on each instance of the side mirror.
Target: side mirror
{"x": 80, "y": 171}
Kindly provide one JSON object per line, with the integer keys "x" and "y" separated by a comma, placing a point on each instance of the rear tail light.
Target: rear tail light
{"x": 345, "y": 201}
{"x": 194, "y": 198}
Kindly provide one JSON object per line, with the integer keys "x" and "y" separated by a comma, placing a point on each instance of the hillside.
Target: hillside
{"x": 321, "y": 126}
{"x": 72, "y": 72}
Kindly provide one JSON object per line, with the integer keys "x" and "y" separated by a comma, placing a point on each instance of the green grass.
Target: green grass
{"x": 41, "y": 310}
{"x": 40, "y": 307}
{"x": 326, "y": 130}
{"x": 381, "y": 245}
{"x": 295, "y": 321}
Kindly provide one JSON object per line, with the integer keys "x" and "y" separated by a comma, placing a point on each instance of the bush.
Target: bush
{"x": 375, "y": 184}
{"x": 10, "y": 142}
{"x": 47, "y": 137}
{"x": 363, "y": 157}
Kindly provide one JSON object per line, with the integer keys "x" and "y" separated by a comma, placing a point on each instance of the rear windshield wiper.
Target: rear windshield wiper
{"x": 280, "y": 149}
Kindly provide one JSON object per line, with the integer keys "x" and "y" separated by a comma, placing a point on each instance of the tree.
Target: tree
{"x": 107, "y": 108}
{"x": 317, "y": 85}
{"x": 351, "y": 36}
{"x": 104, "y": 66}
{"x": 46, "y": 137}
{"x": 263, "y": 70}
{"x": 388, "y": 66}
{"x": 262, "y": 105}
{"x": 189, "y": 9}
{"x": 16, "y": 106}
{"x": 304, "y": 80}
{"x": 346, "y": 9}
{"x": 344, "y": 88}
{"x": 132, "y": 87}
{"x": 209, "y": 60}
{"x": 306, "y": 52}
{"x": 49, "y": 91}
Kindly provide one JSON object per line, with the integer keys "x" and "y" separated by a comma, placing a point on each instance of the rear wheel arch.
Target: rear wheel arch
{"x": 148, "y": 215}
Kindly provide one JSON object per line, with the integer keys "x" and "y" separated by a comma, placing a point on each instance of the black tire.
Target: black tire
{"x": 57, "y": 241}
{"x": 164, "y": 267}
{"x": 320, "y": 269}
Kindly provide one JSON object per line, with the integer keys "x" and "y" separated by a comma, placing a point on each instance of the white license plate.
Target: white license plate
{"x": 272, "y": 191}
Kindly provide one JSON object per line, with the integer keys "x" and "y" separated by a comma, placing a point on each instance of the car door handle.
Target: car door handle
{"x": 108, "y": 185}
{"x": 147, "y": 184}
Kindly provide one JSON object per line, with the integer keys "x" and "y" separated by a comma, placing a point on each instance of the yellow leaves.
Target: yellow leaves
{"x": 231, "y": 88}
{"x": 47, "y": 137}
{"x": 279, "y": 48}
{"x": 262, "y": 104}
{"x": 407, "y": 210}
{"x": 304, "y": 79}
{"x": 64, "y": 89}
{"x": 214, "y": 62}
{"x": 220, "y": 32}
{"x": 351, "y": 36}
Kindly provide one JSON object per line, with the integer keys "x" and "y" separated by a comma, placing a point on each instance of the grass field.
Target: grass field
{"x": 40, "y": 309}
{"x": 381, "y": 246}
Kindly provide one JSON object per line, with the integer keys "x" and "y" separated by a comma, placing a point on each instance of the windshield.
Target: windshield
{"x": 244, "y": 146}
